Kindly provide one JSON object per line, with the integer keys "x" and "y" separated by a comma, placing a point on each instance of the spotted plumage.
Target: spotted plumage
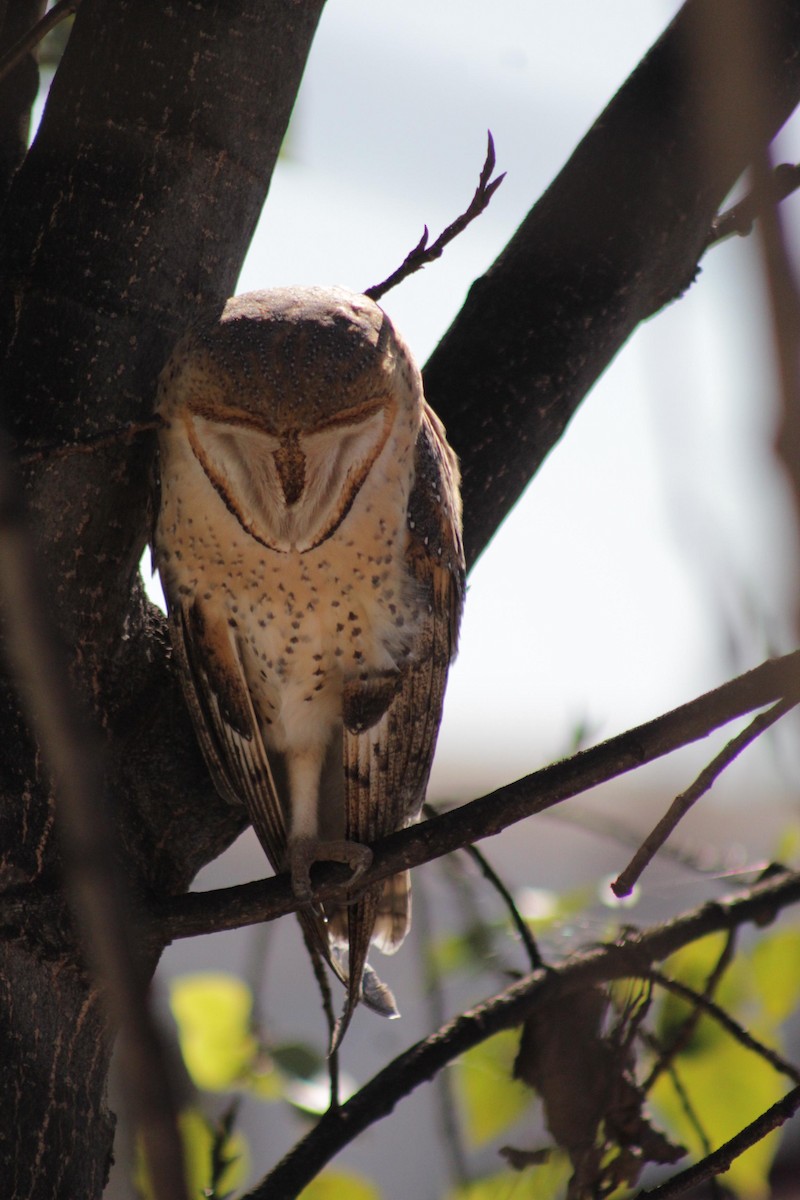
{"x": 308, "y": 539}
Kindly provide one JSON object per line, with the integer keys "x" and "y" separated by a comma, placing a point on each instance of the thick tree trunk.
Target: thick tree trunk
{"x": 133, "y": 210}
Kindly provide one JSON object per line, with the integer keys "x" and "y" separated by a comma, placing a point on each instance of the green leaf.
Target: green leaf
{"x": 335, "y": 1185}
{"x": 788, "y": 847}
{"x": 775, "y": 962}
{"x": 493, "y": 1100}
{"x": 298, "y": 1059}
{"x": 213, "y": 1012}
{"x": 728, "y": 1086}
{"x": 546, "y": 1181}
{"x": 197, "y": 1137}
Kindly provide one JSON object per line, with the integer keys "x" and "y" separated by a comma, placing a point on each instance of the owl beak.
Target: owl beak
{"x": 290, "y": 464}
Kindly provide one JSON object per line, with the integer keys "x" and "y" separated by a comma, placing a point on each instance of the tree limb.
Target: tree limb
{"x": 245, "y": 904}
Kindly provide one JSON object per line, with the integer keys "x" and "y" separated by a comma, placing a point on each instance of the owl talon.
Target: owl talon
{"x": 307, "y": 851}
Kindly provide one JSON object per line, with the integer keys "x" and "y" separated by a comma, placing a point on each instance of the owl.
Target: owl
{"x": 308, "y": 537}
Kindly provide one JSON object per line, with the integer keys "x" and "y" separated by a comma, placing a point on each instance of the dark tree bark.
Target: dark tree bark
{"x": 133, "y": 210}
{"x": 131, "y": 213}
{"x": 18, "y": 89}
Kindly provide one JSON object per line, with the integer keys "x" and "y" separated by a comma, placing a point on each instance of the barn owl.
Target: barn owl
{"x": 308, "y": 540}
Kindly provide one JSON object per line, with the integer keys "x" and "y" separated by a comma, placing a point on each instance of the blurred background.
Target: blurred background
{"x": 652, "y": 557}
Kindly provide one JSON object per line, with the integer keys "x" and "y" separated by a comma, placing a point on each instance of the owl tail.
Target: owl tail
{"x": 361, "y": 981}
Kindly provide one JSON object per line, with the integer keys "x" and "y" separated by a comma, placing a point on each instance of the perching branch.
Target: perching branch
{"x": 629, "y": 959}
{"x": 247, "y": 904}
{"x": 422, "y": 254}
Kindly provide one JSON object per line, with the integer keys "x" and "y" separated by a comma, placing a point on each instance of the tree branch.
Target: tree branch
{"x": 737, "y": 1031}
{"x": 617, "y": 234}
{"x": 422, "y": 254}
{"x": 246, "y": 904}
{"x": 720, "y": 1160}
{"x": 629, "y": 959}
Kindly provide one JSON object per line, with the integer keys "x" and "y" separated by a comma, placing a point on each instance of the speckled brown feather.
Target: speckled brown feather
{"x": 387, "y": 766}
{"x": 309, "y": 543}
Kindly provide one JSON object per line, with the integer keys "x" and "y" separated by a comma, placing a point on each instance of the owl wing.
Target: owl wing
{"x": 225, "y": 722}
{"x": 391, "y": 724}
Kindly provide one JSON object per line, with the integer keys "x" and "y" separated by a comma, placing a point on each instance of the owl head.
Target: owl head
{"x": 288, "y": 400}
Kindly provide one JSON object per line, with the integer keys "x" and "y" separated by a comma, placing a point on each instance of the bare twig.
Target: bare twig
{"x": 705, "y": 1004}
{"x": 623, "y": 884}
{"x": 626, "y": 960}
{"x": 681, "y": 1039}
{"x": 689, "y": 1109}
{"x": 740, "y": 218}
{"x": 422, "y": 254}
{"x": 447, "y": 1105}
{"x": 721, "y": 1159}
{"x": 517, "y": 920}
{"x": 249, "y": 903}
{"x": 93, "y": 882}
{"x": 58, "y": 13}
{"x": 784, "y": 304}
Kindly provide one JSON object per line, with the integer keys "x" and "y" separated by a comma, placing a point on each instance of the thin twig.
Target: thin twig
{"x": 784, "y": 303}
{"x": 520, "y": 924}
{"x": 721, "y": 1159}
{"x": 707, "y": 1005}
{"x": 266, "y": 899}
{"x": 58, "y": 13}
{"x": 94, "y": 884}
{"x": 623, "y": 884}
{"x": 518, "y": 921}
{"x": 422, "y": 254}
{"x": 447, "y": 1105}
{"x": 688, "y": 1109}
{"x": 627, "y": 960}
{"x": 681, "y": 1039}
{"x": 740, "y": 218}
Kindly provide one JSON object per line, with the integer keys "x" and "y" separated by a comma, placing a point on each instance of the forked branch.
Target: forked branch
{"x": 422, "y": 254}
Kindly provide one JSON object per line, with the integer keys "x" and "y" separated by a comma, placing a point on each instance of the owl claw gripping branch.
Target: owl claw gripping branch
{"x": 308, "y": 539}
